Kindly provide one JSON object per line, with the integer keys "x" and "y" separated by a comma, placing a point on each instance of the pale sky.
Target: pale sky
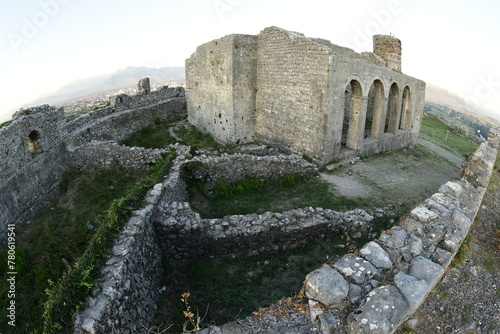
{"x": 46, "y": 44}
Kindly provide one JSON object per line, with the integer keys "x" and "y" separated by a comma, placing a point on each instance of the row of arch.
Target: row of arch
{"x": 372, "y": 116}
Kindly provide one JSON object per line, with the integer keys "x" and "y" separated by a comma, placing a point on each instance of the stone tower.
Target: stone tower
{"x": 389, "y": 48}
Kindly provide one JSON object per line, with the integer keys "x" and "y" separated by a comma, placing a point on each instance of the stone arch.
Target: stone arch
{"x": 352, "y": 112}
{"x": 35, "y": 143}
{"x": 393, "y": 109}
{"x": 375, "y": 110}
{"x": 405, "y": 110}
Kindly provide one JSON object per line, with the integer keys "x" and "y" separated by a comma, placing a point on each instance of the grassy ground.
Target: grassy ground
{"x": 158, "y": 135}
{"x": 56, "y": 236}
{"x": 278, "y": 196}
{"x": 444, "y": 136}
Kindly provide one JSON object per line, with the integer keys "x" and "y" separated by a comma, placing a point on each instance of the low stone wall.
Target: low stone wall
{"x": 110, "y": 154}
{"x": 182, "y": 233}
{"x": 124, "y": 299}
{"x": 412, "y": 257}
{"x": 234, "y": 167}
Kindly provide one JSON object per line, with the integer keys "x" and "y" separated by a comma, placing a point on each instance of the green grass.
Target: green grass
{"x": 154, "y": 136}
{"x": 194, "y": 137}
{"x": 443, "y": 135}
{"x": 158, "y": 135}
{"x": 57, "y": 236}
{"x": 278, "y": 196}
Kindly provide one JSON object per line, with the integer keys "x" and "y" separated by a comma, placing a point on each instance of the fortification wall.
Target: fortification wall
{"x": 294, "y": 97}
{"x": 39, "y": 145}
{"x": 120, "y": 124}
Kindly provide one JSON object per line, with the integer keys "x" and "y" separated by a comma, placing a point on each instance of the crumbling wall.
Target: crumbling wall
{"x": 39, "y": 145}
{"x": 30, "y": 172}
{"x": 111, "y": 154}
{"x": 124, "y": 298}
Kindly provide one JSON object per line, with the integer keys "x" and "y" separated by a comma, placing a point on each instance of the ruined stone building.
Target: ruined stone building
{"x": 321, "y": 99}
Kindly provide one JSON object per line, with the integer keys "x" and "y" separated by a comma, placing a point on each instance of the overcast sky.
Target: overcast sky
{"x": 46, "y": 44}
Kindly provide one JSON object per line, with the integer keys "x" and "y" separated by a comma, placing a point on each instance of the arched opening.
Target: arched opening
{"x": 375, "y": 111}
{"x": 35, "y": 143}
{"x": 352, "y": 111}
{"x": 405, "y": 110}
{"x": 393, "y": 110}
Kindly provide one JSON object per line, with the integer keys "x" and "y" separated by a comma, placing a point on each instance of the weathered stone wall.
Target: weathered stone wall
{"x": 234, "y": 167}
{"x": 124, "y": 298}
{"x": 411, "y": 256}
{"x": 294, "y": 90}
{"x": 111, "y": 154}
{"x": 289, "y": 89}
{"x": 119, "y": 125}
{"x": 126, "y": 102}
{"x": 39, "y": 145}
{"x": 389, "y": 49}
{"x": 30, "y": 168}
{"x": 221, "y": 89}
{"x": 182, "y": 233}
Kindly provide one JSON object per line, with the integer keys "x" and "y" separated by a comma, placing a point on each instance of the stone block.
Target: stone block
{"x": 374, "y": 253}
{"x": 412, "y": 289}
{"x": 423, "y": 214}
{"x": 355, "y": 269}
{"x": 327, "y": 286}
{"x": 382, "y": 311}
{"x": 424, "y": 269}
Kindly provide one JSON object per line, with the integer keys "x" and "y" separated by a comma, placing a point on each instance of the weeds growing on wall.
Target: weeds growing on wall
{"x": 69, "y": 293}
{"x": 52, "y": 241}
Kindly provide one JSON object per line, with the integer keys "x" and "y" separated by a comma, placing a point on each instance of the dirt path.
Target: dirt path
{"x": 457, "y": 161}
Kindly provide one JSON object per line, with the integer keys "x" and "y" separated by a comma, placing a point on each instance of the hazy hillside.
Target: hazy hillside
{"x": 440, "y": 96}
{"x": 123, "y": 78}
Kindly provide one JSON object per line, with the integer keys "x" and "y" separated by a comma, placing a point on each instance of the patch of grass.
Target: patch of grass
{"x": 463, "y": 252}
{"x": 154, "y": 136}
{"x": 194, "y": 137}
{"x": 278, "y": 196}
{"x": 443, "y": 135}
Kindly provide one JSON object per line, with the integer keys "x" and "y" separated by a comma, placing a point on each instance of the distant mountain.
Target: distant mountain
{"x": 440, "y": 96}
{"x": 127, "y": 77}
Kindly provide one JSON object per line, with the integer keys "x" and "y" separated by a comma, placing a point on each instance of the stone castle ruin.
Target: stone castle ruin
{"x": 323, "y": 100}
{"x": 307, "y": 94}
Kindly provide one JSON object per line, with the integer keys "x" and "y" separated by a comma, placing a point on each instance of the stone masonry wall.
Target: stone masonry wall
{"x": 221, "y": 88}
{"x": 28, "y": 178}
{"x": 111, "y": 154}
{"x": 234, "y": 167}
{"x": 294, "y": 90}
{"x": 120, "y": 124}
{"x": 124, "y": 299}
{"x": 412, "y": 256}
{"x": 38, "y": 145}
